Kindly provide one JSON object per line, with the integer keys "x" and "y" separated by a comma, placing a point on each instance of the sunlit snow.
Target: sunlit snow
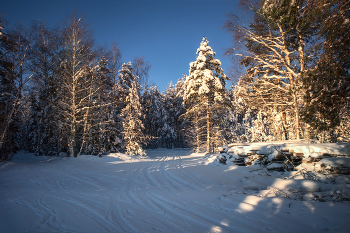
{"x": 167, "y": 191}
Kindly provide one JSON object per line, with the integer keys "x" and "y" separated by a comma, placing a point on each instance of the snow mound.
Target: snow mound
{"x": 336, "y": 162}
{"x": 296, "y": 150}
{"x": 306, "y": 147}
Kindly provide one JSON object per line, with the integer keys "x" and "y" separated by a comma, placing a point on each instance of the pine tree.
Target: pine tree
{"x": 327, "y": 84}
{"x": 132, "y": 124}
{"x": 180, "y": 121}
{"x": 205, "y": 94}
{"x": 111, "y": 128}
{"x": 123, "y": 85}
{"x": 168, "y": 135}
{"x": 154, "y": 116}
{"x": 277, "y": 42}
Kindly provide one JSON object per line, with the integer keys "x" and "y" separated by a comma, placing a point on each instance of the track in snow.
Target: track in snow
{"x": 170, "y": 191}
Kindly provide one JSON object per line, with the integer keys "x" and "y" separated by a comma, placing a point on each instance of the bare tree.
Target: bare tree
{"x": 75, "y": 78}
{"x": 14, "y": 78}
{"x": 141, "y": 69}
{"x": 42, "y": 123}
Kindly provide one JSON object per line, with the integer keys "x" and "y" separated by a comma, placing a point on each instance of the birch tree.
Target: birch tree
{"x": 15, "y": 75}
{"x": 141, "y": 68}
{"x": 74, "y": 87}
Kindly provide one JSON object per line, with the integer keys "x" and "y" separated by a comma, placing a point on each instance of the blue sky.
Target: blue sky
{"x": 166, "y": 32}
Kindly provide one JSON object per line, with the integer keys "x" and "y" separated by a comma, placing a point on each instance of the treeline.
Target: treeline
{"x": 62, "y": 94}
{"x": 296, "y": 81}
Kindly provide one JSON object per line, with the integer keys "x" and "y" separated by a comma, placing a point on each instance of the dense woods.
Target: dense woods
{"x": 62, "y": 95}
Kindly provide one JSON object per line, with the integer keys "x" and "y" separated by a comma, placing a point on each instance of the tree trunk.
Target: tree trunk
{"x": 197, "y": 132}
{"x": 72, "y": 144}
{"x": 297, "y": 120}
{"x": 302, "y": 69}
{"x": 208, "y": 128}
{"x": 7, "y": 124}
{"x": 84, "y": 131}
{"x": 284, "y": 118}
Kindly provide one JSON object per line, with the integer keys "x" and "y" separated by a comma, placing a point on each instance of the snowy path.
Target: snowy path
{"x": 171, "y": 191}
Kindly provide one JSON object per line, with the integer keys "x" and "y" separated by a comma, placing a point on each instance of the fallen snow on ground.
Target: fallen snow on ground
{"x": 168, "y": 191}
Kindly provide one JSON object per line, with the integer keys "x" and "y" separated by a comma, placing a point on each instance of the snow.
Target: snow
{"x": 336, "y": 162}
{"x": 311, "y": 149}
{"x": 166, "y": 191}
{"x": 274, "y": 166}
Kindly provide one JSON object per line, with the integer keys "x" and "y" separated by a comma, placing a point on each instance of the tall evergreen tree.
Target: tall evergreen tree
{"x": 205, "y": 95}
{"x": 327, "y": 83}
{"x": 168, "y": 136}
{"x": 126, "y": 77}
{"x": 155, "y": 115}
{"x": 132, "y": 123}
{"x": 180, "y": 121}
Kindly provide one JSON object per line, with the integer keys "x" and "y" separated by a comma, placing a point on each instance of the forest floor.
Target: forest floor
{"x": 168, "y": 191}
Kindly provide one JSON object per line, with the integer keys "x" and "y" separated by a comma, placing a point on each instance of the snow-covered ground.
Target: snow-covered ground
{"x": 169, "y": 191}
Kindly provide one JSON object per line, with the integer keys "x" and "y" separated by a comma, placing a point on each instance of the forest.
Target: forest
{"x": 61, "y": 95}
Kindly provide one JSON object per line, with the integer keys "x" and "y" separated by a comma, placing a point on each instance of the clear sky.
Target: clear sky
{"x": 166, "y": 32}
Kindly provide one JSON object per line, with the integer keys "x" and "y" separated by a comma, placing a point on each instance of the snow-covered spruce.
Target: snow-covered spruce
{"x": 205, "y": 97}
{"x": 132, "y": 124}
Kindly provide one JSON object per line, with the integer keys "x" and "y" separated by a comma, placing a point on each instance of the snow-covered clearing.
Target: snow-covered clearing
{"x": 169, "y": 191}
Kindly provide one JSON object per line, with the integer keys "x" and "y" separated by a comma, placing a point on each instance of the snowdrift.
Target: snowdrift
{"x": 320, "y": 172}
